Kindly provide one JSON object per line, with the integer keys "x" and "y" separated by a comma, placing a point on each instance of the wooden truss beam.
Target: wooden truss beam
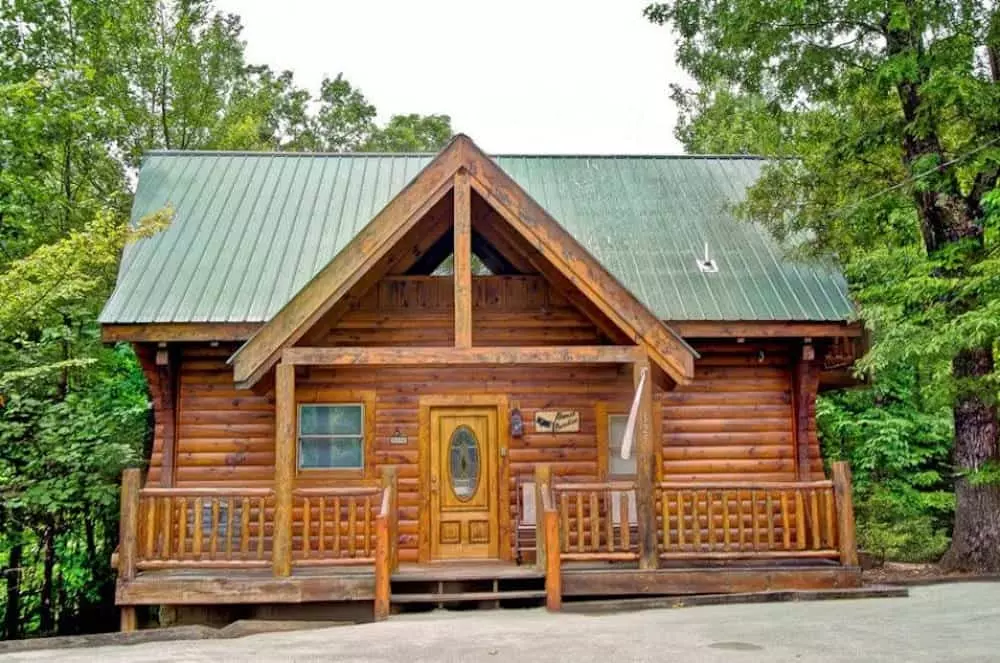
{"x": 571, "y": 354}
{"x": 463, "y": 260}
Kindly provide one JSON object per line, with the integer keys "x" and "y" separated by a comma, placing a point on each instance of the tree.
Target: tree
{"x": 411, "y": 133}
{"x": 85, "y": 89}
{"x": 345, "y": 119}
{"x": 891, "y": 111}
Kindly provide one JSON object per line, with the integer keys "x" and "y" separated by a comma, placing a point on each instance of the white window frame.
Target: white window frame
{"x": 612, "y": 449}
{"x": 361, "y": 436}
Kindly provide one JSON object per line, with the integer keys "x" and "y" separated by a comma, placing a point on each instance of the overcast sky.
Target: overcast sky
{"x": 534, "y": 76}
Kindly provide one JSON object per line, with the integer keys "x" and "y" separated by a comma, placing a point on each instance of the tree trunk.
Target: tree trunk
{"x": 946, "y": 217}
{"x": 12, "y": 627}
{"x": 975, "y": 541}
{"x": 46, "y": 619}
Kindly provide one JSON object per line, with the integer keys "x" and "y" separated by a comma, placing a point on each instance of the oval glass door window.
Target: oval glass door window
{"x": 463, "y": 461}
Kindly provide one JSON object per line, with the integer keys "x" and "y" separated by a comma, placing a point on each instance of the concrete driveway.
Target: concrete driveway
{"x": 958, "y": 622}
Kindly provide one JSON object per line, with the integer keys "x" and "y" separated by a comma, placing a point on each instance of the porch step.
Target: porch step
{"x": 435, "y": 572}
{"x": 459, "y": 597}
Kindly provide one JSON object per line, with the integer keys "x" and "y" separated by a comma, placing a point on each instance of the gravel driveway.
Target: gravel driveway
{"x": 958, "y": 622}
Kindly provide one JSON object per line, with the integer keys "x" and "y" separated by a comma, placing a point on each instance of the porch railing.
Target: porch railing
{"x": 595, "y": 520}
{"x": 334, "y": 526}
{"x": 724, "y": 520}
{"x": 234, "y": 528}
{"x": 204, "y": 527}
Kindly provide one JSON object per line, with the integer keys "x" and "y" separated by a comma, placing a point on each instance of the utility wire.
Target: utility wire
{"x": 911, "y": 179}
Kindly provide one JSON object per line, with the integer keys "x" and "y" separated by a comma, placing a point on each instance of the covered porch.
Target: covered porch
{"x": 223, "y": 547}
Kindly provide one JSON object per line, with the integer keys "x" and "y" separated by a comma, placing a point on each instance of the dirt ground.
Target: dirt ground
{"x": 938, "y": 623}
{"x": 899, "y": 573}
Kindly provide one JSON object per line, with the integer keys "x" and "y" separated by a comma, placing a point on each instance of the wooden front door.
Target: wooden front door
{"x": 464, "y": 463}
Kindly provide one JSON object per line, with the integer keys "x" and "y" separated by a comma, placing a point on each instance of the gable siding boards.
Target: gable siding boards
{"x": 250, "y": 230}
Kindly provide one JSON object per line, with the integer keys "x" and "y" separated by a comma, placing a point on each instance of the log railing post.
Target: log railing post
{"x": 543, "y": 480}
{"x": 553, "y": 567}
{"x": 128, "y": 539}
{"x": 284, "y": 468}
{"x": 383, "y": 558}
{"x": 645, "y": 453}
{"x": 845, "y": 513}
{"x": 390, "y": 482}
{"x": 128, "y": 531}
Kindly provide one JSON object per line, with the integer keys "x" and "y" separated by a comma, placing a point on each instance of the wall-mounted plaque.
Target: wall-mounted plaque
{"x": 398, "y": 438}
{"x": 557, "y": 421}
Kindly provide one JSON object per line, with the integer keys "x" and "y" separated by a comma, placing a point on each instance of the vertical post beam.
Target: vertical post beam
{"x": 129, "y": 619}
{"x": 463, "y": 260}
{"x": 383, "y": 576}
{"x": 166, "y": 373}
{"x": 553, "y": 569}
{"x": 804, "y": 398}
{"x": 645, "y": 450}
{"x": 543, "y": 480}
{"x": 128, "y": 539}
{"x": 390, "y": 481}
{"x": 845, "y": 512}
{"x": 128, "y": 528}
{"x": 284, "y": 468}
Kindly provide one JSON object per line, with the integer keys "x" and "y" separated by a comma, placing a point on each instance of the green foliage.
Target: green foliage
{"x": 85, "y": 89}
{"x": 411, "y": 133}
{"x": 898, "y": 447}
{"x": 883, "y": 120}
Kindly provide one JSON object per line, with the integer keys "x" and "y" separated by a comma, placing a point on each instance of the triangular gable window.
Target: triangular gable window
{"x": 447, "y": 267}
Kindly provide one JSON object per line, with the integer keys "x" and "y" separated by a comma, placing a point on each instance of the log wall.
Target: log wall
{"x": 734, "y": 422}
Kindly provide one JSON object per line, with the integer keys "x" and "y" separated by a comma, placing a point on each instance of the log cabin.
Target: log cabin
{"x": 395, "y": 379}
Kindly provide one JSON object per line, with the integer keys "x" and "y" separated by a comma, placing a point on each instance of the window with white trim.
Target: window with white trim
{"x": 617, "y": 466}
{"x": 332, "y": 436}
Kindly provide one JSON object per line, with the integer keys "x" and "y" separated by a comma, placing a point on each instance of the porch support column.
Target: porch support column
{"x": 167, "y": 362}
{"x": 804, "y": 390}
{"x": 284, "y": 467}
{"x": 645, "y": 450}
{"x": 463, "y": 260}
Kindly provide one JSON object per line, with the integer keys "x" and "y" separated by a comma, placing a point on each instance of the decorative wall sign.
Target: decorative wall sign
{"x": 398, "y": 438}
{"x": 557, "y": 421}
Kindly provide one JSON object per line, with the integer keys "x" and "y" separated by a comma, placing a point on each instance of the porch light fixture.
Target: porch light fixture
{"x": 516, "y": 422}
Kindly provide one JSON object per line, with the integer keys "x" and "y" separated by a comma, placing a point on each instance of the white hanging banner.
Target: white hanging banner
{"x": 633, "y": 416}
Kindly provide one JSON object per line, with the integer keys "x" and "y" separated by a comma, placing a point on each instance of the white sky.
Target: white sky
{"x": 534, "y": 76}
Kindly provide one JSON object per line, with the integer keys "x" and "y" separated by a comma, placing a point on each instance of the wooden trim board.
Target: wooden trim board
{"x": 722, "y": 580}
{"x": 344, "y": 356}
{"x": 766, "y": 329}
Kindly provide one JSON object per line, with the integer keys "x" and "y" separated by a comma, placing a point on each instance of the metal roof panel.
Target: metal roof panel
{"x": 251, "y": 229}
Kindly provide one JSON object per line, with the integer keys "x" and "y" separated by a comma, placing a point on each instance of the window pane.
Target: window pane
{"x": 464, "y": 463}
{"x": 330, "y": 420}
{"x": 616, "y": 433}
{"x": 338, "y": 453}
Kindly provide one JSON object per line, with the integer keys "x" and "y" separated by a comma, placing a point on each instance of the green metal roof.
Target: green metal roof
{"x": 250, "y": 229}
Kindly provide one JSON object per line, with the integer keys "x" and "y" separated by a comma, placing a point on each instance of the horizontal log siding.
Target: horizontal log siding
{"x": 146, "y": 353}
{"x": 225, "y": 436}
{"x": 506, "y": 311}
{"x": 735, "y": 421}
{"x": 398, "y": 392}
